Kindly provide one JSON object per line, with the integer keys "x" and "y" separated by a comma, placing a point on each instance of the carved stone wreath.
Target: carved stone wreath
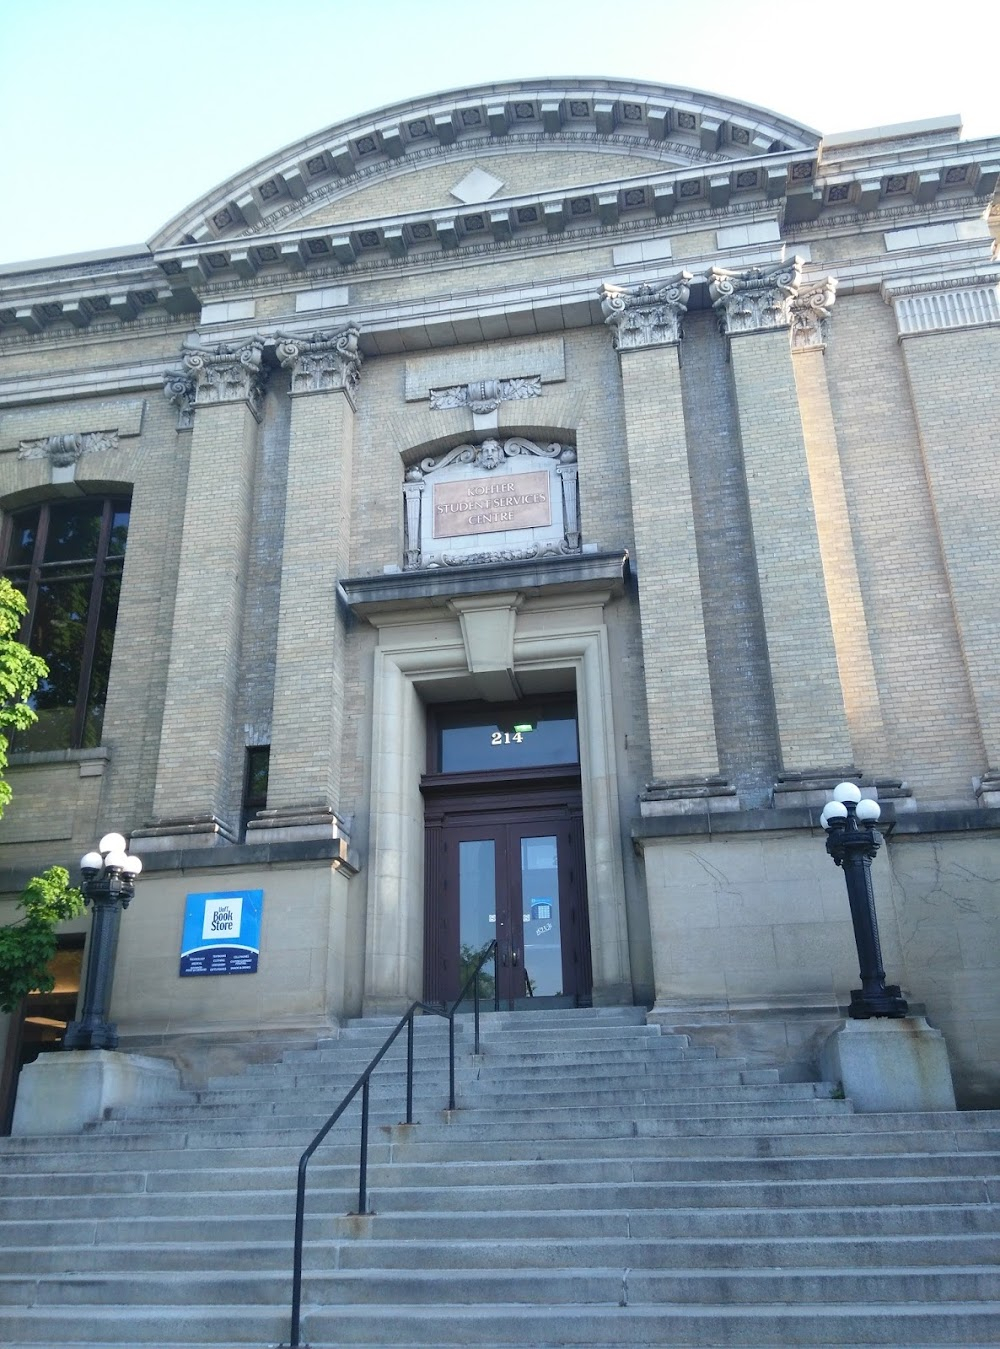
{"x": 62, "y": 451}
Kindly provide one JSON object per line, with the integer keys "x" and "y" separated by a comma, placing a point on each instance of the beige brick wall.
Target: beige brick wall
{"x": 309, "y": 674}
{"x": 931, "y": 727}
{"x": 137, "y": 688}
{"x": 840, "y": 572}
{"x": 199, "y": 751}
{"x": 953, "y": 382}
{"x": 537, "y": 171}
{"x": 678, "y": 695}
{"x": 808, "y": 701}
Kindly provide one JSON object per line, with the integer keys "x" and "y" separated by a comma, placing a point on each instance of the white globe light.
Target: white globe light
{"x": 112, "y": 843}
{"x": 846, "y": 791}
{"x": 833, "y": 810}
{"x": 116, "y": 860}
{"x": 868, "y": 810}
{"x": 132, "y": 866}
{"x": 91, "y": 861}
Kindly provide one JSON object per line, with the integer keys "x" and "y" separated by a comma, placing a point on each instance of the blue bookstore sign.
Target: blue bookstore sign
{"x": 222, "y": 932}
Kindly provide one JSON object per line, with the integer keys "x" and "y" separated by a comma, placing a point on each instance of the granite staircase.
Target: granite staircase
{"x": 601, "y": 1184}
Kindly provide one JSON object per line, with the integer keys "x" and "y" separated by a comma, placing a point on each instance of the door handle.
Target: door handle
{"x": 504, "y": 960}
{"x": 513, "y": 958}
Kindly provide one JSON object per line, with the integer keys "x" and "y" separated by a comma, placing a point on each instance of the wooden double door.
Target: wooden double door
{"x": 508, "y": 865}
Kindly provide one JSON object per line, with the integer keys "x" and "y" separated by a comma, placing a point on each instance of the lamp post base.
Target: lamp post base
{"x": 63, "y": 1093}
{"x": 886, "y": 1001}
{"x": 92, "y": 1035}
{"x": 890, "y": 1065}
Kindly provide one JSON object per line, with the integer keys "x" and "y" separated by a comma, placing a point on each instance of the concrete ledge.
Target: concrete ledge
{"x": 62, "y": 1093}
{"x": 606, "y": 571}
{"x": 890, "y": 1064}
{"x": 971, "y": 820}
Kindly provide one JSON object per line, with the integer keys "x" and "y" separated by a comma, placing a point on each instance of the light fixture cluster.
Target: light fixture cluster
{"x": 111, "y": 856}
{"x": 848, "y": 801}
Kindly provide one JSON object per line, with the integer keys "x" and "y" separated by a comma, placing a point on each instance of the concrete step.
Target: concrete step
{"x": 547, "y": 1252}
{"x": 497, "y": 1171}
{"x": 527, "y": 1225}
{"x": 600, "y": 1184}
{"x": 458, "y": 1286}
{"x": 904, "y": 1324}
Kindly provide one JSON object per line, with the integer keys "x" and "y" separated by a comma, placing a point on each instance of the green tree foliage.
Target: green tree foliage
{"x": 28, "y": 945}
{"x": 20, "y": 672}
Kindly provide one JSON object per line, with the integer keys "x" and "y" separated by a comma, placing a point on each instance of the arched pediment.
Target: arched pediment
{"x": 588, "y": 132}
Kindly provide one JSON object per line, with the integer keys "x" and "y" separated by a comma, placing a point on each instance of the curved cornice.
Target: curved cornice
{"x": 654, "y": 118}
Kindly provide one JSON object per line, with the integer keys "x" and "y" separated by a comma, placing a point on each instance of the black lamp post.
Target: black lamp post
{"x": 853, "y": 841}
{"x": 109, "y": 885}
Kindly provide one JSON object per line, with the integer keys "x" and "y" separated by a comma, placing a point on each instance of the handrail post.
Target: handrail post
{"x": 300, "y": 1214}
{"x": 363, "y": 1183}
{"x": 409, "y": 1069}
{"x": 451, "y": 1059}
{"x": 475, "y": 1013}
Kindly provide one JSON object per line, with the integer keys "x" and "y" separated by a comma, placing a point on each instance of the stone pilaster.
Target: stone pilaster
{"x": 950, "y": 334}
{"x": 646, "y": 323}
{"x": 303, "y": 796}
{"x": 200, "y": 751}
{"x": 810, "y": 311}
{"x": 755, "y": 309}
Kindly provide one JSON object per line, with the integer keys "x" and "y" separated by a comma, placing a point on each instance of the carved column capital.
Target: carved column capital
{"x": 756, "y": 300}
{"x": 227, "y": 374}
{"x": 178, "y": 388}
{"x": 810, "y": 309}
{"x": 322, "y": 361}
{"x": 646, "y": 316}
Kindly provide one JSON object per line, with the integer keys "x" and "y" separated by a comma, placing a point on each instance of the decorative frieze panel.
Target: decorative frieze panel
{"x": 228, "y": 374}
{"x": 322, "y": 361}
{"x": 810, "y": 309}
{"x": 646, "y": 316}
{"x": 483, "y": 396}
{"x": 496, "y": 501}
{"x": 939, "y": 306}
{"x": 755, "y": 300}
{"x": 64, "y": 451}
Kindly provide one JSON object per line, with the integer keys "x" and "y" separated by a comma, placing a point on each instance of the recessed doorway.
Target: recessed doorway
{"x": 505, "y": 855}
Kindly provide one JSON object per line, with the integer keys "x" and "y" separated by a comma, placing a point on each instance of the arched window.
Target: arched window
{"x": 66, "y": 557}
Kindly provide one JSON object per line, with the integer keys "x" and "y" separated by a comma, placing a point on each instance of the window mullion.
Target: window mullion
{"x": 35, "y": 573}
{"x": 93, "y": 622}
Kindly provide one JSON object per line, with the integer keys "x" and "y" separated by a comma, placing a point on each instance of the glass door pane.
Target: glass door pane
{"x": 541, "y": 953}
{"x": 477, "y": 899}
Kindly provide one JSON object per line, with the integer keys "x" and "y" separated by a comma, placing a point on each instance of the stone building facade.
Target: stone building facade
{"x": 537, "y": 497}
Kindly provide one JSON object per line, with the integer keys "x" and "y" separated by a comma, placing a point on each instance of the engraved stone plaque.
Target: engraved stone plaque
{"x": 490, "y": 505}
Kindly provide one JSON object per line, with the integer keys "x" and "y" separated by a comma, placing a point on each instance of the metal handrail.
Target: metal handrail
{"x": 362, "y": 1085}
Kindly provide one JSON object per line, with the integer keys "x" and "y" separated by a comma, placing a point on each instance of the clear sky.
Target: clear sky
{"x": 115, "y": 114}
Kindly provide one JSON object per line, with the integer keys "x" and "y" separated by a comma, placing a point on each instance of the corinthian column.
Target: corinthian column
{"x": 646, "y": 324}
{"x": 303, "y": 796}
{"x": 200, "y": 771}
{"x": 756, "y": 311}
